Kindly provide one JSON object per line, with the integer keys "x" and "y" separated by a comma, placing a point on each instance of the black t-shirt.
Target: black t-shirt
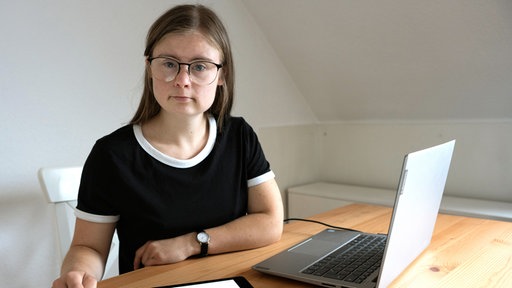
{"x": 152, "y": 196}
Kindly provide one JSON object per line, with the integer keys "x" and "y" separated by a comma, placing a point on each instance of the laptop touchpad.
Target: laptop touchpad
{"x": 314, "y": 247}
{"x": 324, "y": 242}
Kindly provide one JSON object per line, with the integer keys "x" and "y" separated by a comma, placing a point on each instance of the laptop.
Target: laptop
{"x": 332, "y": 258}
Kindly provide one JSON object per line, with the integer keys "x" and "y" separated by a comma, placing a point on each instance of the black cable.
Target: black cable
{"x": 318, "y": 222}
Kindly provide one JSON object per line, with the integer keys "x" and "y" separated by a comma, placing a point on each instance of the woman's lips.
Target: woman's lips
{"x": 181, "y": 98}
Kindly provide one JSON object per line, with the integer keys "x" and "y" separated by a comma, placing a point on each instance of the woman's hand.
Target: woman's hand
{"x": 75, "y": 279}
{"x": 166, "y": 251}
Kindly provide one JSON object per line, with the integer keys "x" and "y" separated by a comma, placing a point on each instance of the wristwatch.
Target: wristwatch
{"x": 204, "y": 239}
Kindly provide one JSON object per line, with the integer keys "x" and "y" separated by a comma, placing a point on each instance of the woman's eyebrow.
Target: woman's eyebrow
{"x": 197, "y": 58}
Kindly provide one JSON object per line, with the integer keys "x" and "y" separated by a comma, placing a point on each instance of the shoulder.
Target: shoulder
{"x": 237, "y": 124}
{"x": 121, "y": 137}
{"x": 238, "y": 130}
{"x": 122, "y": 133}
{"x": 111, "y": 150}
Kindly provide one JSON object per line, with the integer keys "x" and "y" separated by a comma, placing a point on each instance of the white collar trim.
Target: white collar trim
{"x": 178, "y": 163}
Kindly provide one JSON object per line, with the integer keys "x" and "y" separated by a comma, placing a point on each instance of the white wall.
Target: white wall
{"x": 294, "y": 153}
{"x": 265, "y": 93}
{"x": 481, "y": 165}
{"x": 70, "y": 72}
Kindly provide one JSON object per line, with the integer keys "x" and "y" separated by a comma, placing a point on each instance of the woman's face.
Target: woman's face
{"x": 181, "y": 95}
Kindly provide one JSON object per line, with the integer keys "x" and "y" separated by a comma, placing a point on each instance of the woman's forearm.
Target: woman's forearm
{"x": 248, "y": 232}
{"x": 83, "y": 259}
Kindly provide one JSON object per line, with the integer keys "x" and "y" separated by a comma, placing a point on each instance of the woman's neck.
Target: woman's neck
{"x": 178, "y": 137}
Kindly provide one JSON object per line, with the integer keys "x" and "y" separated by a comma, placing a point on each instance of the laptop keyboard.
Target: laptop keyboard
{"x": 353, "y": 262}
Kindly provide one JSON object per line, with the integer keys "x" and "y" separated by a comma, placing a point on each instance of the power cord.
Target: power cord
{"x": 318, "y": 222}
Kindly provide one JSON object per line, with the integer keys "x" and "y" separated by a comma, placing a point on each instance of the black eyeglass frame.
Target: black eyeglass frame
{"x": 150, "y": 60}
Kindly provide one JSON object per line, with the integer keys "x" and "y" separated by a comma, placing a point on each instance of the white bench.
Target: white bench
{"x": 310, "y": 199}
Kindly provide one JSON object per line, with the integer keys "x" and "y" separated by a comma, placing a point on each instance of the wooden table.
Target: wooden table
{"x": 464, "y": 252}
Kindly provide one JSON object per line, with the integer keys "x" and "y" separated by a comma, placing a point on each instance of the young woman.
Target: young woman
{"x": 184, "y": 178}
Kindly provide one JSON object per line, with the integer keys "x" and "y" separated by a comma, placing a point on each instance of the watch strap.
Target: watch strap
{"x": 204, "y": 245}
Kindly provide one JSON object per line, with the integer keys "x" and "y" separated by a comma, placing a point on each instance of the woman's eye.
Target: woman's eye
{"x": 170, "y": 64}
{"x": 199, "y": 67}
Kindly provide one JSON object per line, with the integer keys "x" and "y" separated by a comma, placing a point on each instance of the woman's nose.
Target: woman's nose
{"x": 183, "y": 76}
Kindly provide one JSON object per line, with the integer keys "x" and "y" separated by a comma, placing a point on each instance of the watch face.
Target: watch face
{"x": 203, "y": 237}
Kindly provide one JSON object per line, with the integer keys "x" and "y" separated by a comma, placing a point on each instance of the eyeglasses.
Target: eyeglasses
{"x": 200, "y": 72}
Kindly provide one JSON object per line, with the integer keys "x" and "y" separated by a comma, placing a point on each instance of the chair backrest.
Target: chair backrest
{"x": 60, "y": 186}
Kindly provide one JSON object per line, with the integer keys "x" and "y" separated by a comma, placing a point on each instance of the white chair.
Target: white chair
{"x": 60, "y": 185}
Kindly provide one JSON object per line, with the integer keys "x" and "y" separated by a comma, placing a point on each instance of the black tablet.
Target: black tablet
{"x": 234, "y": 282}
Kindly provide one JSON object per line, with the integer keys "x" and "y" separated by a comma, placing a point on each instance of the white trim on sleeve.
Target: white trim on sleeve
{"x": 260, "y": 179}
{"x": 96, "y": 218}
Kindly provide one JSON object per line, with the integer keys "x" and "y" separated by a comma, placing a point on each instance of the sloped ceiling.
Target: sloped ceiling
{"x": 395, "y": 59}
